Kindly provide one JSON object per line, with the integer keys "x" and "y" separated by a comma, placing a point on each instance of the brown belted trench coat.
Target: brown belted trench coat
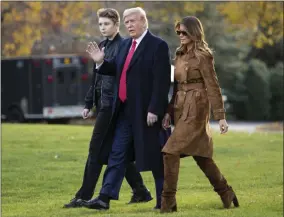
{"x": 196, "y": 91}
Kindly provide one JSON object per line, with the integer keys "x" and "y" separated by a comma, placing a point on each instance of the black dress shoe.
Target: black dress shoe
{"x": 97, "y": 204}
{"x": 140, "y": 197}
{"x": 157, "y": 207}
{"x": 75, "y": 203}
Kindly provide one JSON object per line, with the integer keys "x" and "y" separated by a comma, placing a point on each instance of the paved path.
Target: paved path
{"x": 251, "y": 126}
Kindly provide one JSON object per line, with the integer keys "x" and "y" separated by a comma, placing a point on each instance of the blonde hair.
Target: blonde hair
{"x": 195, "y": 32}
{"x": 137, "y": 10}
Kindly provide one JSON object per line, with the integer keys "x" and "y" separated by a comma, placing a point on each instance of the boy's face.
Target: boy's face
{"x": 107, "y": 27}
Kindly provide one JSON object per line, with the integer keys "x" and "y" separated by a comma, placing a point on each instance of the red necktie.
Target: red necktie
{"x": 122, "y": 84}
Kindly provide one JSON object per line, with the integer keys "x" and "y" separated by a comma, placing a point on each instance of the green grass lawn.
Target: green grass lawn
{"x": 42, "y": 168}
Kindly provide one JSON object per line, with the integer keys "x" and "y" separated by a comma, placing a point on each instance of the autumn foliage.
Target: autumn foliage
{"x": 28, "y": 26}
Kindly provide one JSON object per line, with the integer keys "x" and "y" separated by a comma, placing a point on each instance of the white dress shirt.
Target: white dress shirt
{"x": 138, "y": 40}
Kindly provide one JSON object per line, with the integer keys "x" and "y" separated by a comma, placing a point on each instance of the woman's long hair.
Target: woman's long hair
{"x": 195, "y": 32}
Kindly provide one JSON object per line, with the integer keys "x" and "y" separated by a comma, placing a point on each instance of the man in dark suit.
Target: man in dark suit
{"x": 100, "y": 94}
{"x": 142, "y": 69}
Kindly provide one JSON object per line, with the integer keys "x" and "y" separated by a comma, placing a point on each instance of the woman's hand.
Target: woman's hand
{"x": 223, "y": 126}
{"x": 166, "y": 123}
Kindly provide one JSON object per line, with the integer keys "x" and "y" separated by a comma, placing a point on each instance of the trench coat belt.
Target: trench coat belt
{"x": 190, "y": 86}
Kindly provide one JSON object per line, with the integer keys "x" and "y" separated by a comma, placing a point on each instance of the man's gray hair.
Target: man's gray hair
{"x": 136, "y": 10}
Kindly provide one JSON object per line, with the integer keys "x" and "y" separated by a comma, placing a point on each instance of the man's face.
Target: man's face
{"x": 107, "y": 27}
{"x": 134, "y": 23}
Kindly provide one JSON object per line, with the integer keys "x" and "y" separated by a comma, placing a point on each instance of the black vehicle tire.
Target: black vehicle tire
{"x": 59, "y": 121}
{"x": 15, "y": 115}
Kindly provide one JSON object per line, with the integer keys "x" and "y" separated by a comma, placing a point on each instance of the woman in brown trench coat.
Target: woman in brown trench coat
{"x": 196, "y": 91}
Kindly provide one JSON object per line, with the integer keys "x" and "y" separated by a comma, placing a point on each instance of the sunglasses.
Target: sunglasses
{"x": 184, "y": 33}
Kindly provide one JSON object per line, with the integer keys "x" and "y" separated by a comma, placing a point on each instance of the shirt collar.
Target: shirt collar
{"x": 138, "y": 40}
{"x": 116, "y": 37}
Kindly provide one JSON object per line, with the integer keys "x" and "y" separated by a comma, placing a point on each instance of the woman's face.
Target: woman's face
{"x": 183, "y": 36}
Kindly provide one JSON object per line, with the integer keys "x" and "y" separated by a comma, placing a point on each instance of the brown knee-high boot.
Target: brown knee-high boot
{"x": 171, "y": 170}
{"x": 218, "y": 181}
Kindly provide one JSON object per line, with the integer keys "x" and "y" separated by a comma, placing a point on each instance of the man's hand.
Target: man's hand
{"x": 166, "y": 123}
{"x": 95, "y": 53}
{"x": 223, "y": 126}
{"x": 85, "y": 113}
{"x": 151, "y": 119}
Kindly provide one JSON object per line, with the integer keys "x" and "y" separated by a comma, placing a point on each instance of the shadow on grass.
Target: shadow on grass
{"x": 207, "y": 205}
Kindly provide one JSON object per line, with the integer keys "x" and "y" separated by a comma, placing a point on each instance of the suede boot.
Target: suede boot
{"x": 171, "y": 170}
{"x": 218, "y": 181}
